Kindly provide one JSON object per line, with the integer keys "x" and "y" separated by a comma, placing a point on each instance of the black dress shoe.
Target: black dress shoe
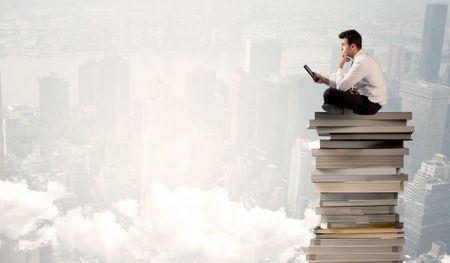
{"x": 330, "y": 108}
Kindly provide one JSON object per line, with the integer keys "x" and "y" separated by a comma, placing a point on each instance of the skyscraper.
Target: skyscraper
{"x": 300, "y": 188}
{"x": 400, "y": 60}
{"x": 2, "y": 136}
{"x": 243, "y": 109}
{"x": 86, "y": 83}
{"x": 262, "y": 57}
{"x": 202, "y": 87}
{"x": 271, "y": 116}
{"x": 428, "y": 102}
{"x": 427, "y": 213}
{"x": 54, "y": 102}
{"x": 432, "y": 40}
{"x": 112, "y": 93}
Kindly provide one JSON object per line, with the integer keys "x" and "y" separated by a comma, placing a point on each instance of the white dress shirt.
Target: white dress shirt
{"x": 365, "y": 76}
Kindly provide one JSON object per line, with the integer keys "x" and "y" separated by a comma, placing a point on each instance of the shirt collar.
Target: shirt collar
{"x": 357, "y": 54}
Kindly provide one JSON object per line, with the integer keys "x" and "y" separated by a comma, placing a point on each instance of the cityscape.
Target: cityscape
{"x": 176, "y": 131}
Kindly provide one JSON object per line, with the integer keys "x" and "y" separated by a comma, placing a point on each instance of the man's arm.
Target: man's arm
{"x": 323, "y": 80}
{"x": 356, "y": 73}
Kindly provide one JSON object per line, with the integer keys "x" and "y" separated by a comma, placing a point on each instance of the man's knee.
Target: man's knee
{"x": 328, "y": 94}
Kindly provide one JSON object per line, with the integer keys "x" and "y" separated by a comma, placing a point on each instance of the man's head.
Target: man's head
{"x": 351, "y": 42}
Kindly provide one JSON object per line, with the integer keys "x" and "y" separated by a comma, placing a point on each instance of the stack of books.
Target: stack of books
{"x": 358, "y": 174}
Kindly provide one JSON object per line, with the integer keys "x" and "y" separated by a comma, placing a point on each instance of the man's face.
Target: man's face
{"x": 346, "y": 48}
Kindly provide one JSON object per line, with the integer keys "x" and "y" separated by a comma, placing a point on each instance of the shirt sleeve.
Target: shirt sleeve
{"x": 356, "y": 73}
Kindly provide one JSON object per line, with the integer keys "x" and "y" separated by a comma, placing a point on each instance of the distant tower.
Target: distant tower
{"x": 112, "y": 93}
{"x": 425, "y": 100}
{"x": 2, "y": 137}
{"x": 262, "y": 57}
{"x": 300, "y": 188}
{"x": 427, "y": 214}
{"x": 86, "y": 83}
{"x": 432, "y": 40}
{"x": 53, "y": 98}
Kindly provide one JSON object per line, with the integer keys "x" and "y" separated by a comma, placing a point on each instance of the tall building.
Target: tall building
{"x": 427, "y": 213}
{"x": 432, "y": 40}
{"x": 271, "y": 120}
{"x": 243, "y": 109}
{"x": 400, "y": 61}
{"x": 86, "y": 83}
{"x": 2, "y": 136}
{"x": 429, "y": 103}
{"x": 54, "y": 102}
{"x": 112, "y": 93}
{"x": 300, "y": 188}
{"x": 202, "y": 88}
{"x": 262, "y": 57}
{"x": 446, "y": 143}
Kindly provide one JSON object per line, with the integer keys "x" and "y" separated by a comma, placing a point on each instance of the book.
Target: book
{"x": 365, "y": 230}
{"x": 342, "y": 165}
{"x": 384, "y": 129}
{"x": 377, "y": 116}
{"x": 359, "y": 177}
{"x": 357, "y": 225}
{"x": 359, "y": 152}
{"x": 366, "y": 158}
{"x": 383, "y": 170}
{"x": 360, "y": 187}
{"x": 375, "y": 144}
{"x": 359, "y": 202}
{"x": 370, "y": 136}
{"x": 353, "y": 250}
{"x": 362, "y": 235}
{"x": 356, "y": 196}
{"x": 357, "y": 242}
{"x": 352, "y": 257}
{"x": 363, "y": 219}
{"x": 313, "y": 124}
{"x": 355, "y": 210}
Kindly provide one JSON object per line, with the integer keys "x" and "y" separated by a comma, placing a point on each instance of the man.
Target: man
{"x": 363, "y": 88}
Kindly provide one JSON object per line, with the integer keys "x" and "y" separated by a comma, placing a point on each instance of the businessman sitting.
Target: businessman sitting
{"x": 363, "y": 88}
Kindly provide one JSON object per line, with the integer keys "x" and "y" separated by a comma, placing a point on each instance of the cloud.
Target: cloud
{"x": 445, "y": 259}
{"x": 21, "y": 209}
{"x": 127, "y": 207}
{"x": 98, "y": 234}
{"x": 188, "y": 225}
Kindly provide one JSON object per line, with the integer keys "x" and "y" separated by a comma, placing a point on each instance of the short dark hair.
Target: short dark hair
{"x": 353, "y": 37}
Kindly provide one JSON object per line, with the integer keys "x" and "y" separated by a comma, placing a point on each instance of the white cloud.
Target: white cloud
{"x": 189, "y": 225}
{"x": 21, "y": 209}
{"x": 445, "y": 259}
{"x": 98, "y": 234}
{"x": 127, "y": 207}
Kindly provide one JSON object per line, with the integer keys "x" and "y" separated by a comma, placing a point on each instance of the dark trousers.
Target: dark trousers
{"x": 360, "y": 104}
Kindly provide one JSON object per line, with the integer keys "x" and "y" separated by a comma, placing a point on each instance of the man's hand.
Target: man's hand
{"x": 320, "y": 79}
{"x": 342, "y": 61}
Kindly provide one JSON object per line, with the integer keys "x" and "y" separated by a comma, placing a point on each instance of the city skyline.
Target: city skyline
{"x": 177, "y": 131}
